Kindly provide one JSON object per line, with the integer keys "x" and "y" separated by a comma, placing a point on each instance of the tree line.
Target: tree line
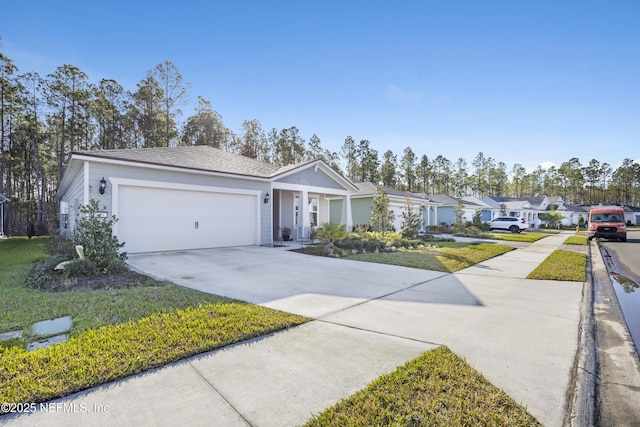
{"x": 44, "y": 118}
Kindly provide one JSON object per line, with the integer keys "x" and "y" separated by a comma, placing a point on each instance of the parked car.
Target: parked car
{"x": 511, "y": 223}
{"x": 607, "y": 222}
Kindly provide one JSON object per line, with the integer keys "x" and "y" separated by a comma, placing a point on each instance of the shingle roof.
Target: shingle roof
{"x": 443, "y": 199}
{"x": 369, "y": 189}
{"x": 200, "y": 157}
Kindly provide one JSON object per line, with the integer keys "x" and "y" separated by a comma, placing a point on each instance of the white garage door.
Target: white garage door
{"x": 158, "y": 219}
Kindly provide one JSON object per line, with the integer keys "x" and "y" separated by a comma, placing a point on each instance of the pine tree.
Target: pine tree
{"x": 381, "y": 216}
{"x": 411, "y": 222}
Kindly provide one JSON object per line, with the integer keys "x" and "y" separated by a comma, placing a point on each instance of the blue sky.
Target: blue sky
{"x": 532, "y": 82}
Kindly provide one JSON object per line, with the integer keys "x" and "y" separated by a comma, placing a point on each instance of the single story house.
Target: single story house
{"x": 200, "y": 197}
{"x": 362, "y": 201}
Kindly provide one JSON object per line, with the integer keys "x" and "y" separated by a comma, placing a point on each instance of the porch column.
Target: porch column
{"x": 304, "y": 214}
{"x": 347, "y": 218}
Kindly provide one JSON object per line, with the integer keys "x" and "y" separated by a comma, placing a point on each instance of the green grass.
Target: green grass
{"x": 518, "y": 237}
{"x": 445, "y": 257}
{"x": 116, "y": 333}
{"x": 576, "y": 240}
{"x": 435, "y": 389}
{"x": 562, "y": 265}
{"x": 20, "y": 306}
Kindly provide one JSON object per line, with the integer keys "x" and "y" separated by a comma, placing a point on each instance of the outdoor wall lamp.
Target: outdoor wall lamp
{"x": 103, "y": 185}
{"x": 266, "y": 198}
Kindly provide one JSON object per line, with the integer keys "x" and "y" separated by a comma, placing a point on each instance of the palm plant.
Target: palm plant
{"x": 331, "y": 232}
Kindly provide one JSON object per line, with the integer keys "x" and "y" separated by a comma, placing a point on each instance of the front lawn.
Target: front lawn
{"x": 435, "y": 389}
{"x": 444, "y": 256}
{"x": 21, "y": 306}
{"x": 116, "y": 332}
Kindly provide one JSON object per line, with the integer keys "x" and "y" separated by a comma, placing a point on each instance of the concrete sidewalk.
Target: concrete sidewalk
{"x": 521, "y": 334}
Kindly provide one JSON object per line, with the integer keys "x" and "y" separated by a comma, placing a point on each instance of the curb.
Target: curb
{"x": 582, "y": 394}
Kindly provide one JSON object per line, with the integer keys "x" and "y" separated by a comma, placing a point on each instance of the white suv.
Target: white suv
{"x": 513, "y": 224}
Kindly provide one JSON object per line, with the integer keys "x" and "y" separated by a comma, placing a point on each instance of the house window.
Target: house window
{"x": 312, "y": 209}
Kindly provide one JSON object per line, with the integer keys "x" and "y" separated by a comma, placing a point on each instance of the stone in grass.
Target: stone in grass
{"x": 52, "y": 327}
{"x": 58, "y": 339}
{"x": 10, "y": 335}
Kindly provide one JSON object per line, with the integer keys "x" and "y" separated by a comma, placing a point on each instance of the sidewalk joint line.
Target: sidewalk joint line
{"x": 381, "y": 333}
{"x": 213, "y": 387}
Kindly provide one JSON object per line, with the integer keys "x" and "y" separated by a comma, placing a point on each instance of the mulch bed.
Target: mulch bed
{"x": 121, "y": 280}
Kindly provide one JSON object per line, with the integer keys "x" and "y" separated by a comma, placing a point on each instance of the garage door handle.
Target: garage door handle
{"x": 197, "y": 225}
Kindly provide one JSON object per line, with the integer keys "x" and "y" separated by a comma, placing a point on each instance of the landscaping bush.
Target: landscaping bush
{"x": 373, "y": 245}
{"x": 43, "y": 271}
{"x": 95, "y": 235}
{"x": 80, "y": 268}
{"x": 351, "y": 243}
{"x": 404, "y": 243}
{"x": 331, "y": 232}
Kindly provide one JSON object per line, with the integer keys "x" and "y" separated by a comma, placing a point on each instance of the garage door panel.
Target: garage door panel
{"x": 156, "y": 219}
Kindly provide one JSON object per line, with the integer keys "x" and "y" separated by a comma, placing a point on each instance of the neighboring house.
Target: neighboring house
{"x": 200, "y": 197}
{"x": 362, "y": 201}
{"x": 474, "y": 203}
{"x": 632, "y": 215}
{"x": 4, "y": 215}
{"x": 530, "y": 208}
{"x": 446, "y": 206}
{"x": 520, "y": 208}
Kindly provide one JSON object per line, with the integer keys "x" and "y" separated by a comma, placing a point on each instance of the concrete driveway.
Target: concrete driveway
{"x": 296, "y": 283}
{"x": 521, "y": 334}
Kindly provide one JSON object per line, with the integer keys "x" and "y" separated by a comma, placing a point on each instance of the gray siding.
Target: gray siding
{"x": 311, "y": 177}
{"x": 75, "y": 198}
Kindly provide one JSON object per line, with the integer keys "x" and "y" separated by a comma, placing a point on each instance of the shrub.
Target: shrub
{"x": 80, "y": 268}
{"x": 373, "y": 245}
{"x": 332, "y": 232}
{"x": 61, "y": 245}
{"x": 43, "y": 271}
{"x": 95, "y": 234}
{"x": 352, "y": 243}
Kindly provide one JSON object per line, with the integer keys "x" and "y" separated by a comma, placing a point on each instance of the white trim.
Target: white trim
{"x": 117, "y": 182}
{"x": 328, "y": 170}
{"x": 309, "y": 188}
{"x": 86, "y": 195}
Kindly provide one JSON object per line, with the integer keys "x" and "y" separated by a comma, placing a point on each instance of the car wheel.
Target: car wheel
{"x": 514, "y": 229}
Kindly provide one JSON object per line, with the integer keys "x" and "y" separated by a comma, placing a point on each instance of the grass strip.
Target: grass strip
{"x": 446, "y": 257}
{"x": 562, "y": 265}
{"x": 518, "y": 237}
{"x": 108, "y": 353}
{"x": 435, "y": 389}
{"x": 576, "y": 240}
